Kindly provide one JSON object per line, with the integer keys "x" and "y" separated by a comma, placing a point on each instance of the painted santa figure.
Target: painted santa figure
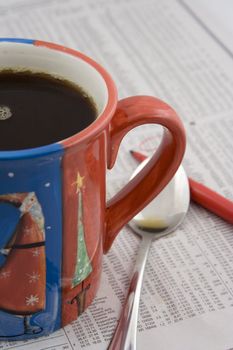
{"x": 23, "y": 274}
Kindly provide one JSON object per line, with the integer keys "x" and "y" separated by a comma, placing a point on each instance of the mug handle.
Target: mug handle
{"x": 133, "y": 197}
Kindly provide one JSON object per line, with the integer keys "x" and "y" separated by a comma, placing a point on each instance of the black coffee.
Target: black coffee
{"x": 37, "y": 109}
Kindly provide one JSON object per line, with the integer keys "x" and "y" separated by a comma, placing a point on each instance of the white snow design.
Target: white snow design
{"x": 5, "y": 274}
{"x": 34, "y": 277}
{"x": 32, "y": 300}
{"x": 27, "y": 231}
{"x": 36, "y": 252}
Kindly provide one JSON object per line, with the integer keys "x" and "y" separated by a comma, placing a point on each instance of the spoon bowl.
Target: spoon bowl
{"x": 161, "y": 217}
{"x": 167, "y": 210}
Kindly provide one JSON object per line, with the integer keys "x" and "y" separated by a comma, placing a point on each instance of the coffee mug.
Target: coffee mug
{"x": 54, "y": 220}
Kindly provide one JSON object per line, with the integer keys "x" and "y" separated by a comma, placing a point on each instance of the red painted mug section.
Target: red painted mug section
{"x": 84, "y": 192}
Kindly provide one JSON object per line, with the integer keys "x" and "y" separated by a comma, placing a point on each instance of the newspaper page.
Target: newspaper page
{"x": 165, "y": 49}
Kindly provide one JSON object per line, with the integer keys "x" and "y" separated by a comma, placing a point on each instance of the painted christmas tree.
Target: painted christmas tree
{"x": 83, "y": 265}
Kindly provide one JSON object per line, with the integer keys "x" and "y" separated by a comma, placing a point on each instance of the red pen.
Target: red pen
{"x": 204, "y": 196}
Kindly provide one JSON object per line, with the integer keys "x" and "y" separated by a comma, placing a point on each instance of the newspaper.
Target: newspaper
{"x": 173, "y": 51}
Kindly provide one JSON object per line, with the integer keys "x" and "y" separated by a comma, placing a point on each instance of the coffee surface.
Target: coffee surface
{"x": 37, "y": 109}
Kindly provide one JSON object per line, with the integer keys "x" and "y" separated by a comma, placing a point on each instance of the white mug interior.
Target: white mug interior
{"x": 20, "y": 56}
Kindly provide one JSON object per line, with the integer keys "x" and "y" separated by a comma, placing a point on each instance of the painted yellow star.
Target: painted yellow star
{"x": 79, "y": 182}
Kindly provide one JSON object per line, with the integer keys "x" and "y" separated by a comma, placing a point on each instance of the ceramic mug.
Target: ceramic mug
{"x": 54, "y": 221}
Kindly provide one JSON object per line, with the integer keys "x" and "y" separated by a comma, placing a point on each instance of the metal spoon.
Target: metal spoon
{"x": 159, "y": 218}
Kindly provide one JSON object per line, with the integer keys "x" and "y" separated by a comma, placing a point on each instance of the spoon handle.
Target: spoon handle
{"x": 125, "y": 334}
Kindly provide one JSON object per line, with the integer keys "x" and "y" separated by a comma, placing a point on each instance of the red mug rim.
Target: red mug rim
{"x": 91, "y": 130}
